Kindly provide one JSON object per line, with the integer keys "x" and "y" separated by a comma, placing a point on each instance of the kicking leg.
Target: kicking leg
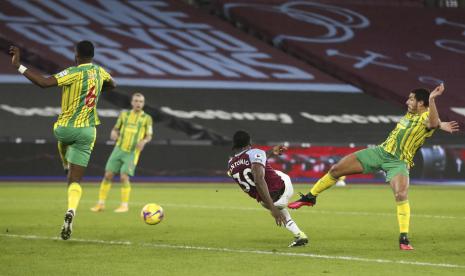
{"x": 346, "y": 166}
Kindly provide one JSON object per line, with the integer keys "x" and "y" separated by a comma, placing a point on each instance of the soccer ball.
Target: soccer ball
{"x": 152, "y": 214}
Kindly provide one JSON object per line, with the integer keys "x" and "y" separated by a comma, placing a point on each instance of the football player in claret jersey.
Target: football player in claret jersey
{"x": 75, "y": 128}
{"x": 273, "y": 189}
{"x": 132, "y": 131}
{"x": 394, "y": 156}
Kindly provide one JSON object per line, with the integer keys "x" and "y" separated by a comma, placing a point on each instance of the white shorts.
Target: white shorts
{"x": 288, "y": 191}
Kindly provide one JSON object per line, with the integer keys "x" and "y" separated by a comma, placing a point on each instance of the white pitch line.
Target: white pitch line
{"x": 243, "y": 251}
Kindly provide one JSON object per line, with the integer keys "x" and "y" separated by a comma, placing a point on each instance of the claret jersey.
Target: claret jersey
{"x": 240, "y": 169}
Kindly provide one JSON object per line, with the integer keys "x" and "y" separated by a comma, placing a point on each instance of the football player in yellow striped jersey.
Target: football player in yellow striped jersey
{"x": 394, "y": 156}
{"x": 132, "y": 131}
{"x": 75, "y": 128}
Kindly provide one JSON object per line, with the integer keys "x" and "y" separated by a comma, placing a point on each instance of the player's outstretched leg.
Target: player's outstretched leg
{"x": 304, "y": 200}
{"x": 309, "y": 199}
{"x": 346, "y": 166}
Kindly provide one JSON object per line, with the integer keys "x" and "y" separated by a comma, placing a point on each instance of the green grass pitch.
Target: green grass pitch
{"x": 215, "y": 229}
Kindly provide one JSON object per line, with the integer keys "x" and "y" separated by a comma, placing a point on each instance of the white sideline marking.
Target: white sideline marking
{"x": 230, "y": 250}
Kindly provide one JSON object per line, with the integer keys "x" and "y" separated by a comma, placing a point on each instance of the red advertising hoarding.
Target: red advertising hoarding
{"x": 311, "y": 162}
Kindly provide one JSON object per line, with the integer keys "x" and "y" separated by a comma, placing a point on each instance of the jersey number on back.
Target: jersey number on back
{"x": 90, "y": 97}
{"x": 248, "y": 181}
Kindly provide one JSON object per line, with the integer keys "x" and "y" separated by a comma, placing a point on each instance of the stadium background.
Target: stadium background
{"x": 325, "y": 85}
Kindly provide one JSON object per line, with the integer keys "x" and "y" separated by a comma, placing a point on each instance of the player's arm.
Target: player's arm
{"x": 108, "y": 82}
{"x": 141, "y": 144}
{"x": 114, "y": 135}
{"x": 276, "y": 150}
{"x": 33, "y": 76}
{"x": 148, "y": 135}
{"x": 433, "y": 119}
{"x": 258, "y": 172}
{"x": 108, "y": 85}
{"x": 115, "y": 132}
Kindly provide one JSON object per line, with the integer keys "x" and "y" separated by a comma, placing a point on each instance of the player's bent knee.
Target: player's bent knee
{"x": 335, "y": 171}
{"x": 124, "y": 177}
{"x": 401, "y": 195}
{"x": 108, "y": 176}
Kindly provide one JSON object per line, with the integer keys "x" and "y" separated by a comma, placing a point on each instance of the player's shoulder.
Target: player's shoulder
{"x": 67, "y": 71}
{"x": 73, "y": 68}
{"x": 101, "y": 69}
{"x": 255, "y": 153}
{"x": 147, "y": 116}
{"x": 425, "y": 114}
{"x": 148, "y": 119}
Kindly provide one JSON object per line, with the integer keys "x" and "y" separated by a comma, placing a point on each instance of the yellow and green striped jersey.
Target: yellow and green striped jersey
{"x": 81, "y": 90}
{"x": 133, "y": 127}
{"x": 408, "y": 136}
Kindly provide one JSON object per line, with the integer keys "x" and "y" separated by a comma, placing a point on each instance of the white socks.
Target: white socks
{"x": 290, "y": 224}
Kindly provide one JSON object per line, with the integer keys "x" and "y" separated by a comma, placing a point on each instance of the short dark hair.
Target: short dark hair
{"x": 422, "y": 94}
{"x": 241, "y": 139}
{"x": 137, "y": 94}
{"x": 85, "y": 49}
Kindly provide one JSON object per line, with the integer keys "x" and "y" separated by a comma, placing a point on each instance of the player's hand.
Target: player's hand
{"x": 15, "y": 53}
{"x": 278, "y": 216}
{"x": 114, "y": 135}
{"x": 437, "y": 91}
{"x": 279, "y": 149}
{"x": 140, "y": 146}
{"x": 450, "y": 127}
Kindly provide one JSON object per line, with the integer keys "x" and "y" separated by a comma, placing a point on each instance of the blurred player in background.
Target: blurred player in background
{"x": 133, "y": 130}
{"x": 341, "y": 182}
{"x": 75, "y": 127}
{"x": 272, "y": 188}
{"x": 394, "y": 156}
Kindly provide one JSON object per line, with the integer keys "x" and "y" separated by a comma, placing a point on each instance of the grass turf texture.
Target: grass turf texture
{"x": 357, "y": 222}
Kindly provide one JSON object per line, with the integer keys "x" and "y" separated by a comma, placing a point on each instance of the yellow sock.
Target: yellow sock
{"x": 74, "y": 195}
{"x": 324, "y": 183}
{"x": 125, "y": 192}
{"x": 403, "y": 216}
{"x": 105, "y": 187}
